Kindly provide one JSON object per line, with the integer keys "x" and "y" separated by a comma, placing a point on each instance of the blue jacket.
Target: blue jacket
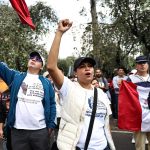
{"x": 14, "y": 80}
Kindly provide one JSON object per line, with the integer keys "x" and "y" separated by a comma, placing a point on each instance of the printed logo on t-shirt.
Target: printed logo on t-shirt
{"x": 34, "y": 90}
{"x": 31, "y": 93}
{"x": 101, "y": 108}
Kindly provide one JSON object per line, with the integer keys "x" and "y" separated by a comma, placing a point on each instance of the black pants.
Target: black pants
{"x": 8, "y": 144}
{"x": 30, "y": 139}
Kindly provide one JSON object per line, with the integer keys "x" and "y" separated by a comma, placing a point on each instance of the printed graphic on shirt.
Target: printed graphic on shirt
{"x": 24, "y": 87}
{"x": 31, "y": 93}
{"x": 101, "y": 108}
{"x": 34, "y": 89}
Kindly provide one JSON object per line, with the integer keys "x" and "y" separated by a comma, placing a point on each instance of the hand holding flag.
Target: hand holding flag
{"x": 134, "y": 106}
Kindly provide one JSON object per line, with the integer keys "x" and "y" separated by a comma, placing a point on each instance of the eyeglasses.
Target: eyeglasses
{"x": 36, "y": 58}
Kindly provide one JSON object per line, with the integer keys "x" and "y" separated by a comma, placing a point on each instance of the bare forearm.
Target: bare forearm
{"x": 53, "y": 70}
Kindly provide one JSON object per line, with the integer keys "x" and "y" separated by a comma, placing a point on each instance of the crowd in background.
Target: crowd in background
{"x": 109, "y": 85}
{"x": 36, "y": 110}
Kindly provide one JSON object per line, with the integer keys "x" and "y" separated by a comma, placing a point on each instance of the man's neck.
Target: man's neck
{"x": 143, "y": 74}
{"x": 121, "y": 76}
{"x": 33, "y": 71}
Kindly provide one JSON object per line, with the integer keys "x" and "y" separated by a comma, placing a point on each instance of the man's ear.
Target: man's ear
{"x": 41, "y": 67}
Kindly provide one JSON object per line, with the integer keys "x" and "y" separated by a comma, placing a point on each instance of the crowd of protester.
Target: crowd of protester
{"x": 38, "y": 110}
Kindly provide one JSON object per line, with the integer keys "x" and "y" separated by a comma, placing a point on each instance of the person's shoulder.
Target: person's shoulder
{"x": 103, "y": 96}
{"x": 72, "y": 85}
{"x": 68, "y": 82}
{"x": 21, "y": 73}
{"x": 45, "y": 79}
{"x": 100, "y": 91}
{"x": 135, "y": 78}
{"x": 132, "y": 76}
{"x": 125, "y": 77}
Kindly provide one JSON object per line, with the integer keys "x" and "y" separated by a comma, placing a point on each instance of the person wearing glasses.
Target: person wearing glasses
{"x": 32, "y": 105}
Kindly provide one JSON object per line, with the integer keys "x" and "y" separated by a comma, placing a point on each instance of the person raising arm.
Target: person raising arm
{"x": 52, "y": 67}
{"x": 77, "y": 99}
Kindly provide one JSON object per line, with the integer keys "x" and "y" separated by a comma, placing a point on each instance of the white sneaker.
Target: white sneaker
{"x": 133, "y": 140}
{"x": 146, "y": 142}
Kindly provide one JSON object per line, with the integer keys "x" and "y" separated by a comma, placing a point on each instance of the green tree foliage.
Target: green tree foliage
{"x": 132, "y": 16}
{"x": 66, "y": 63}
{"x": 18, "y": 40}
{"x": 126, "y": 34}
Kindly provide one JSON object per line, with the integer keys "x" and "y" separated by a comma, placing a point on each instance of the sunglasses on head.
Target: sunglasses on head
{"x": 36, "y": 58}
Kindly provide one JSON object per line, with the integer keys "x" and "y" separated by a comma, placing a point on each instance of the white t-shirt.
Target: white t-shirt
{"x": 29, "y": 107}
{"x": 116, "y": 80}
{"x": 98, "y": 139}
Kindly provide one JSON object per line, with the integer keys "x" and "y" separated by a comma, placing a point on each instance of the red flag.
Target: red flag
{"x": 129, "y": 108}
{"x": 23, "y": 12}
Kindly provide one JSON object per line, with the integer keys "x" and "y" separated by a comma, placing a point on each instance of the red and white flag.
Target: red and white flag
{"x": 133, "y": 109}
{"x": 23, "y": 12}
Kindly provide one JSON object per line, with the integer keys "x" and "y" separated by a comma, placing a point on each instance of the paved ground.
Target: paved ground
{"x": 122, "y": 139}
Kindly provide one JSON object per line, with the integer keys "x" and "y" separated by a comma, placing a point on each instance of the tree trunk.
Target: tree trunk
{"x": 95, "y": 32}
